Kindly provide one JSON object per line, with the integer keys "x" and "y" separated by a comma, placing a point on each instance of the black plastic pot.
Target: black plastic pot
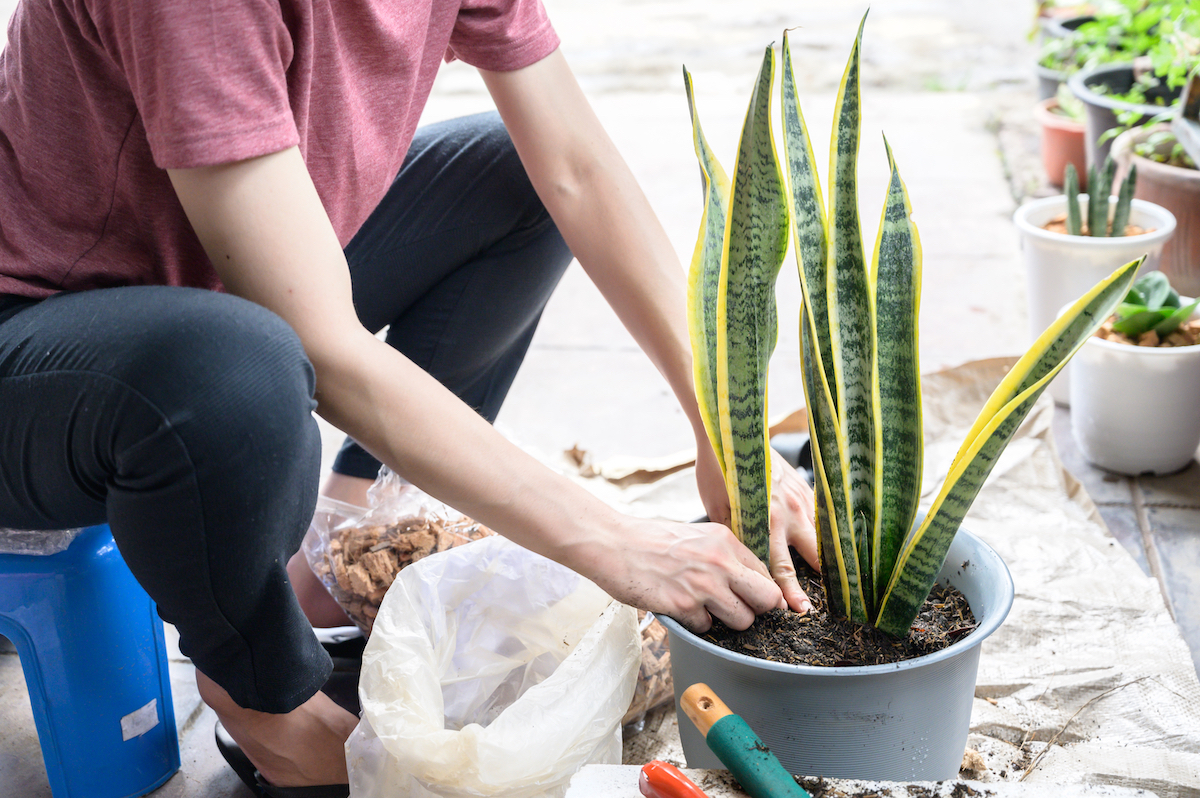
{"x": 1058, "y": 28}
{"x": 1113, "y": 80}
{"x": 1049, "y": 78}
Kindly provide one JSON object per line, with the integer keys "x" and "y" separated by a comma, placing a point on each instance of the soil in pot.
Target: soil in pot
{"x": 1188, "y": 334}
{"x": 818, "y": 638}
{"x": 1059, "y": 225}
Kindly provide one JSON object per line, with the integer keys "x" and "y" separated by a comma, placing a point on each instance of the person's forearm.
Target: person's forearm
{"x": 417, "y": 427}
{"x": 603, "y": 215}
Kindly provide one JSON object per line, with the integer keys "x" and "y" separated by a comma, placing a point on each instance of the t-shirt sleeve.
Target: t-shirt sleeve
{"x": 502, "y": 35}
{"x": 209, "y": 77}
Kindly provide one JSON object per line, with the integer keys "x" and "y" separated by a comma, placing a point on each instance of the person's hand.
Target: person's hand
{"x": 690, "y": 572}
{"x": 792, "y": 525}
{"x": 792, "y": 518}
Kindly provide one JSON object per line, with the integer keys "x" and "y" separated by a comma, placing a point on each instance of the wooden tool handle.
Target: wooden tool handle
{"x": 702, "y": 706}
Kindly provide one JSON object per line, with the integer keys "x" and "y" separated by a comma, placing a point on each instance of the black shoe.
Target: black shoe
{"x": 250, "y": 776}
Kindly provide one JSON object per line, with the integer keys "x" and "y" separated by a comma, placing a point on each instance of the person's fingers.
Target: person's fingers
{"x": 784, "y": 573}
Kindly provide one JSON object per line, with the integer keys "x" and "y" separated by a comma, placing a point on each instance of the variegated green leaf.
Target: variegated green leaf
{"x": 808, "y": 213}
{"x": 755, "y": 243}
{"x": 837, "y": 553}
{"x": 923, "y": 555}
{"x": 704, "y": 278}
{"x": 896, "y": 277}
{"x": 851, "y": 315}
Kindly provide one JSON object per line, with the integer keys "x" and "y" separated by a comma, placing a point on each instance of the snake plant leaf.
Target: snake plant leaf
{"x": 756, "y": 238}
{"x": 836, "y": 551}
{"x": 896, "y": 277}
{"x": 1124, "y": 200}
{"x": 1071, "y": 191}
{"x": 922, "y": 557}
{"x": 850, "y": 313}
{"x": 809, "y": 226}
{"x": 704, "y": 277}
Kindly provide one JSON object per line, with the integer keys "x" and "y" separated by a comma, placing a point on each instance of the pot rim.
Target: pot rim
{"x": 974, "y": 639}
{"x": 1161, "y": 233}
{"x": 1077, "y": 82}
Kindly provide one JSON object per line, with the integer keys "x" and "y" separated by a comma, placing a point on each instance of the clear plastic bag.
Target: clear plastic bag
{"x": 654, "y": 686}
{"x": 356, "y": 552}
{"x": 491, "y": 671}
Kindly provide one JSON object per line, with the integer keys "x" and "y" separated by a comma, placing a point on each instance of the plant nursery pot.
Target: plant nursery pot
{"x": 901, "y": 721}
{"x": 1062, "y": 143}
{"x": 1136, "y": 409}
{"x": 1061, "y": 268}
{"x": 1115, "y": 79}
{"x": 1048, "y": 81}
{"x": 1178, "y": 190}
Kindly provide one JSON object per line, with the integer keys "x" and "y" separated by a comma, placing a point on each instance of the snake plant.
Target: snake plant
{"x": 1099, "y": 188}
{"x": 858, "y": 332}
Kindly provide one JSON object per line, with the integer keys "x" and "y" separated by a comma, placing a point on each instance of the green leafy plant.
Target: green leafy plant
{"x": 1069, "y": 106}
{"x": 1165, "y": 32}
{"x": 1099, "y": 188}
{"x": 1152, "y": 304}
{"x": 858, "y": 331}
{"x": 1161, "y": 146}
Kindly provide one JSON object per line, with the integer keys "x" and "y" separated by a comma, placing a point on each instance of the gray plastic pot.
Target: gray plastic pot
{"x": 1101, "y": 107}
{"x": 897, "y": 722}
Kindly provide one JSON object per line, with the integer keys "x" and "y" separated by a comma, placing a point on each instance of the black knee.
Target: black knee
{"x": 229, "y": 379}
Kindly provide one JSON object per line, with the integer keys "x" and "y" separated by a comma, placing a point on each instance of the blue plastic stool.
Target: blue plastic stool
{"x": 95, "y": 660}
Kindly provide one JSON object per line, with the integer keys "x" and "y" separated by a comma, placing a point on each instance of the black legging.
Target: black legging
{"x": 183, "y": 417}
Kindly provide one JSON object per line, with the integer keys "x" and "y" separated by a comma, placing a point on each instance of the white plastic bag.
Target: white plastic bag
{"x": 491, "y": 671}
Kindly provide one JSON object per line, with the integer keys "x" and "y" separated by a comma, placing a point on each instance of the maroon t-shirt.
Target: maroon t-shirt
{"x": 99, "y": 97}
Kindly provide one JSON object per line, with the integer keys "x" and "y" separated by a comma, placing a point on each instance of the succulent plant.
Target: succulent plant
{"x": 1152, "y": 304}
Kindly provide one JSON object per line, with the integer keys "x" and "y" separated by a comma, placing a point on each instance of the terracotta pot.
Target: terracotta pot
{"x": 1178, "y": 190}
{"x": 1062, "y": 143}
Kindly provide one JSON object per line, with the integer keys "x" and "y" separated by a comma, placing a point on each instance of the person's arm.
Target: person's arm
{"x": 610, "y": 227}
{"x": 263, "y": 227}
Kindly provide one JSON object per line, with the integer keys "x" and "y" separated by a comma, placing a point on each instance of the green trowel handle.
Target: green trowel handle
{"x": 737, "y": 746}
{"x": 751, "y": 763}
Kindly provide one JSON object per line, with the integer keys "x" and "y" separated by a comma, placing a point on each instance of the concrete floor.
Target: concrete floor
{"x": 952, "y": 86}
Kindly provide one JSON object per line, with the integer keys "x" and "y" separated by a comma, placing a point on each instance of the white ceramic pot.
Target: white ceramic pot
{"x": 1061, "y": 268}
{"x": 1136, "y": 409}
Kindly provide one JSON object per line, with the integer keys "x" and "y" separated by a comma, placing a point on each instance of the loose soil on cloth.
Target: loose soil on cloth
{"x": 817, "y": 638}
{"x": 1059, "y": 225}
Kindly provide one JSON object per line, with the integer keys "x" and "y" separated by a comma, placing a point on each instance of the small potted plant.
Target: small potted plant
{"x": 1135, "y": 386}
{"x": 879, "y": 558}
{"x": 1071, "y": 241}
{"x": 1158, "y": 46}
{"x": 1061, "y": 120}
{"x": 1167, "y": 177}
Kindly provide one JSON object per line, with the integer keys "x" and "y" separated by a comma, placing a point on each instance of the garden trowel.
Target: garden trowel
{"x": 755, "y": 767}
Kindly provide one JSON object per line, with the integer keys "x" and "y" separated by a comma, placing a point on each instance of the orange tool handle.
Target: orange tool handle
{"x": 663, "y": 780}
